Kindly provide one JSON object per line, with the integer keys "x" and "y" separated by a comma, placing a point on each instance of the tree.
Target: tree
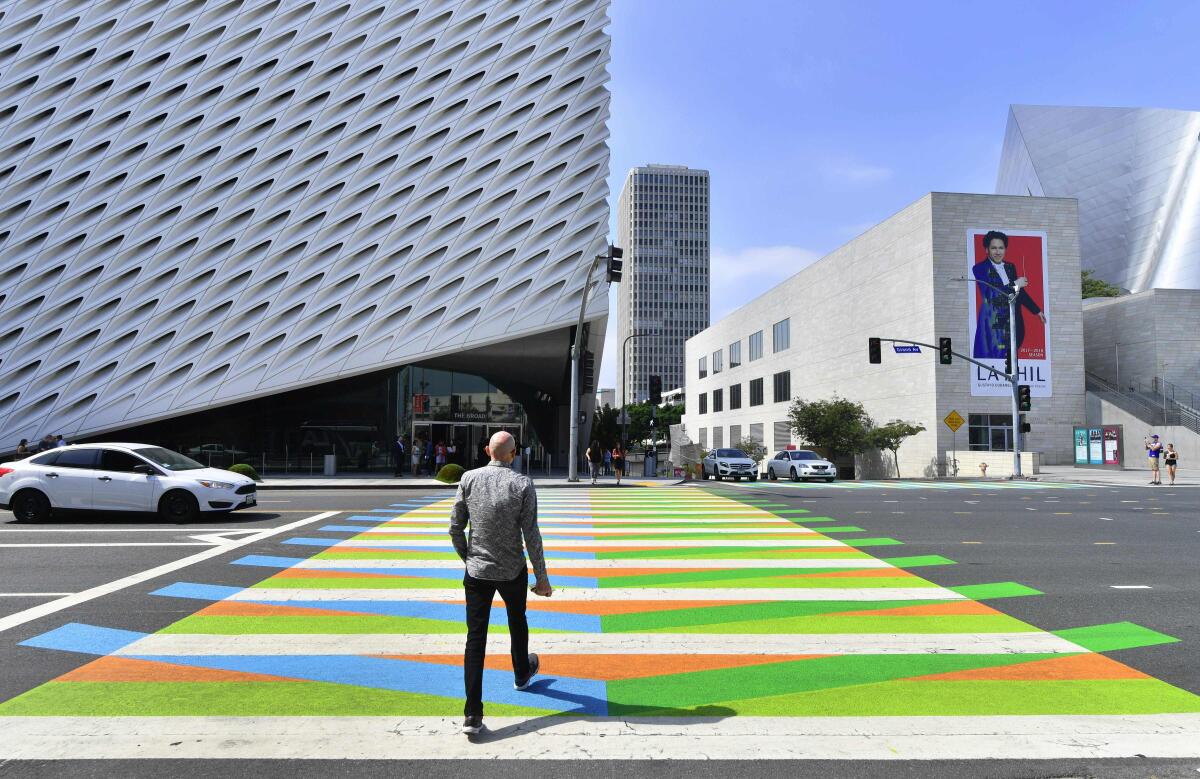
{"x": 639, "y": 421}
{"x": 837, "y": 426}
{"x": 753, "y": 449}
{"x": 1092, "y": 287}
{"x": 891, "y": 435}
{"x": 605, "y": 428}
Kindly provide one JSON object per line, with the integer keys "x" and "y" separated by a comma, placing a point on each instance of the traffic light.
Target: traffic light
{"x": 1023, "y": 398}
{"x": 945, "y": 354}
{"x": 874, "y": 351}
{"x": 1007, "y": 364}
{"x": 656, "y": 390}
{"x": 588, "y": 378}
{"x": 1026, "y": 427}
{"x": 615, "y": 253}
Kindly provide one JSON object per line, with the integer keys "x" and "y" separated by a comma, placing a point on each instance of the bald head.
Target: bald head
{"x": 502, "y": 446}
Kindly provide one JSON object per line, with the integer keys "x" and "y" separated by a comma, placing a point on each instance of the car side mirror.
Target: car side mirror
{"x": 145, "y": 470}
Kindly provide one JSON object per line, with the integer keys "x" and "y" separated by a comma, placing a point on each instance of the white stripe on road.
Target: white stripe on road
{"x": 202, "y": 644}
{"x": 666, "y": 562}
{"x": 45, "y": 609}
{"x": 635, "y": 531}
{"x": 416, "y": 594}
{"x": 1014, "y": 737}
{"x": 569, "y": 543}
{"x": 546, "y": 522}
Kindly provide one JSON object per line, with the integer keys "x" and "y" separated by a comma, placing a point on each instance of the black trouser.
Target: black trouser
{"x": 479, "y": 610}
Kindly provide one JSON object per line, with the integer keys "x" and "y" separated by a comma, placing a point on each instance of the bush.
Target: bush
{"x": 245, "y": 470}
{"x": 450, "y": 474}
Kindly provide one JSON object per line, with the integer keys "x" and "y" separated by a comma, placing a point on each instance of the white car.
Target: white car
{"x": 798, "y": 464}
{"x": 733, "y": 463}
{"x": 120, "y": 477}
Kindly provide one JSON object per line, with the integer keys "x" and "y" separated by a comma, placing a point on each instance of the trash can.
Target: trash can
{"x": 650, "y": 466}
{"x": 330, "y": 464}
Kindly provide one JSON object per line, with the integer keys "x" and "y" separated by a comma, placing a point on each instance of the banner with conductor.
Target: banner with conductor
{"x": 1000, "y": 261}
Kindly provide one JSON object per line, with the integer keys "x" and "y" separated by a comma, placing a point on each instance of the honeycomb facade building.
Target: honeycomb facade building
{"x": 277, "y": 227}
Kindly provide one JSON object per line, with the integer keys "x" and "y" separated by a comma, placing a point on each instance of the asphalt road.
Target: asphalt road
{"x": 1074, "y": 545}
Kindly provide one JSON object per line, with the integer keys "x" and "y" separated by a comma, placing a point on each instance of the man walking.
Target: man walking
{"x": 500, "y": 506}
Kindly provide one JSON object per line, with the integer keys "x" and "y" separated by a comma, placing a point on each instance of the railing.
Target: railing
{"x": 1147, "y": 402}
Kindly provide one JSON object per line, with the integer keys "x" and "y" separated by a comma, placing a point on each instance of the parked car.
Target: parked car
{"x": 800, "y": 464}
{"x": 120, "y": 477}
{"x": 733, "y": 463}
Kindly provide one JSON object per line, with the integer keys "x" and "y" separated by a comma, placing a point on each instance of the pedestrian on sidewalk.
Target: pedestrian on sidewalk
{"x": 594, "y": 459}
{"x": 607, "y": 462}
{"x": 417, "y": 447}
{"x": 618, "y": 462}
{"x": 1154, "y": 450}
{"x": 1171, "y": 459}
{"x": 500, "y": 507}
{"x": 23, "y": 448}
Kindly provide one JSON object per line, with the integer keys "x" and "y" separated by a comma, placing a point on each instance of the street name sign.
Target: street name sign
{"x": 906, "y": 349}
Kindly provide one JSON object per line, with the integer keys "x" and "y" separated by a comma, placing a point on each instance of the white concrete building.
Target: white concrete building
{"x": 662, "y": 223}
{"x": 807, "y": 338}
{"x": 606, "y": 396}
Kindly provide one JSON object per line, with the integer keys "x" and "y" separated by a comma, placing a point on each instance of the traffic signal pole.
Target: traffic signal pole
{"x": 576, "y": 355}
{"x": 1011, "y": 377}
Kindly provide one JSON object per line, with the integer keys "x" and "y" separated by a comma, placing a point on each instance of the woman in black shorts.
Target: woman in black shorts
{"x": 618, "y": 462}
{"x": 1171, "y": 459}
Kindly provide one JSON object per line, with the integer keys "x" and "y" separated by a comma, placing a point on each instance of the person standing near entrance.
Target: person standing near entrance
{"x": 500, "y": 507}
{"x": 1154, "y": 451}
{"x": 1171, "y": 460}
{"x": 607, "y": 462}
{"x": 417, "y": 448}
{"x": 439, "y": 457}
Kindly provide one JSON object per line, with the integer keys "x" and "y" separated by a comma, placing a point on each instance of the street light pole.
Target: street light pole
{"x": 624, "y": 411}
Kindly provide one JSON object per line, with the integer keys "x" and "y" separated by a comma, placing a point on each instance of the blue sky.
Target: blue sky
{"x": 818, "y": 120}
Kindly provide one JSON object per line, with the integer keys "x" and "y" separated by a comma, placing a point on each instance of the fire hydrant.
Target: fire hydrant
{"x": 983, "y": 470}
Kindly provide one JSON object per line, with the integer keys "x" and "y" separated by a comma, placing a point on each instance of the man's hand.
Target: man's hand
{"x": 542, "y": 588}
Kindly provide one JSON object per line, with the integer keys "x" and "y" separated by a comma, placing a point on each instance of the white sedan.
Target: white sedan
{"x": 728, "y": 463}
{"x": 120, "y": 477}
{"x": 797, "y": 464}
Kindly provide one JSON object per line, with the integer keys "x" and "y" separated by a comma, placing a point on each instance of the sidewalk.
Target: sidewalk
{"x": 1130, "y": 477}
{"x": 369, "y": 482}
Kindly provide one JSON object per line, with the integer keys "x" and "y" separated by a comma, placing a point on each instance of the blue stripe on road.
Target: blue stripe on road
{"x": 585, "y": 696}
{"x": 86, "y": 639}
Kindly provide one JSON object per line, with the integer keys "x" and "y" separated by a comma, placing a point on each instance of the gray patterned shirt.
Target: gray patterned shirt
{"x": 500, "y": 505}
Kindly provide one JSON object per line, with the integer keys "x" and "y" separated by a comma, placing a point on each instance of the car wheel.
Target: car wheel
{"x": 31, "y": 506}
{"x": 771, "y": 474}
{"x": 703, "y": 473}
{"x": 178, "y": 506}
{"x": 716, "y": 476}
{"x": 754, "y": 477}
{"x": 795, "y": 476}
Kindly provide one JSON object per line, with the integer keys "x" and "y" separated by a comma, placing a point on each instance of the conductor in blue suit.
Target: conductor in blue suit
{"x": 991, "y": 329}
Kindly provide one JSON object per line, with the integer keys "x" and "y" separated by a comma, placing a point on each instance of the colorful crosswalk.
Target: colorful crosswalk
{"x": 670, "y": 602}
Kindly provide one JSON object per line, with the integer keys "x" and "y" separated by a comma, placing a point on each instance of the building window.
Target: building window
{"x": 781, "y": 335}
{"x": 703, "y": 367}
{"x": 756, "y": 432}
{"x": 756, "y": 392}
{"x": 718, "y": 437}
{"x": 756, "y": 346}
{"x": 718, "y": 400}
{"x": 735, "y": 354}
{"x": 989, "y": 432}
{"x": 782, "y": 433}
{"x": 717, "y": 361}
{"x": 703, "y": 402}
{"x": 735, "y": 396}
{"x": 783, "y": 386}
{"x": 735, "y": 435}
{"x": 703, "y": 438}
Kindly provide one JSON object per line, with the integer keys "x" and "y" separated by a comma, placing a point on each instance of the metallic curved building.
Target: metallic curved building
{"x": 1136, "y": 174}
{"x": 207, "y": 203}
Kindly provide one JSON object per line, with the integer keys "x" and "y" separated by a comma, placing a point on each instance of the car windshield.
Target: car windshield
{"x": 805, "y": 456}
{"x": 730, "y": 453}
{"x": 172, "y": 461}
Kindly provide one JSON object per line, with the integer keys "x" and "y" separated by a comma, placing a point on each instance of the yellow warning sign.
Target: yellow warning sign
{"x": 954, "y": 421}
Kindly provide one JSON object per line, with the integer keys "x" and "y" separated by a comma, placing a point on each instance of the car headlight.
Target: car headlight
{"x": 215, "y": 485}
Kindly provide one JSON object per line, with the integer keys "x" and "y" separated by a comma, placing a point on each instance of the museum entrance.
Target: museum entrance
{"x": 466, "y": 439}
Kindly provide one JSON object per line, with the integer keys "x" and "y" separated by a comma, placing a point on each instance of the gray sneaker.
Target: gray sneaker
{"x": 523, "y": 684}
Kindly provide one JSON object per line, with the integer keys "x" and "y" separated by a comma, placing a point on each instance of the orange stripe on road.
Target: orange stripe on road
{"x": 1071, "y": 667}
{"x": 126, "y": 669}
{"x": 247, "y": 609}
{"x": 954, "y": 609}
